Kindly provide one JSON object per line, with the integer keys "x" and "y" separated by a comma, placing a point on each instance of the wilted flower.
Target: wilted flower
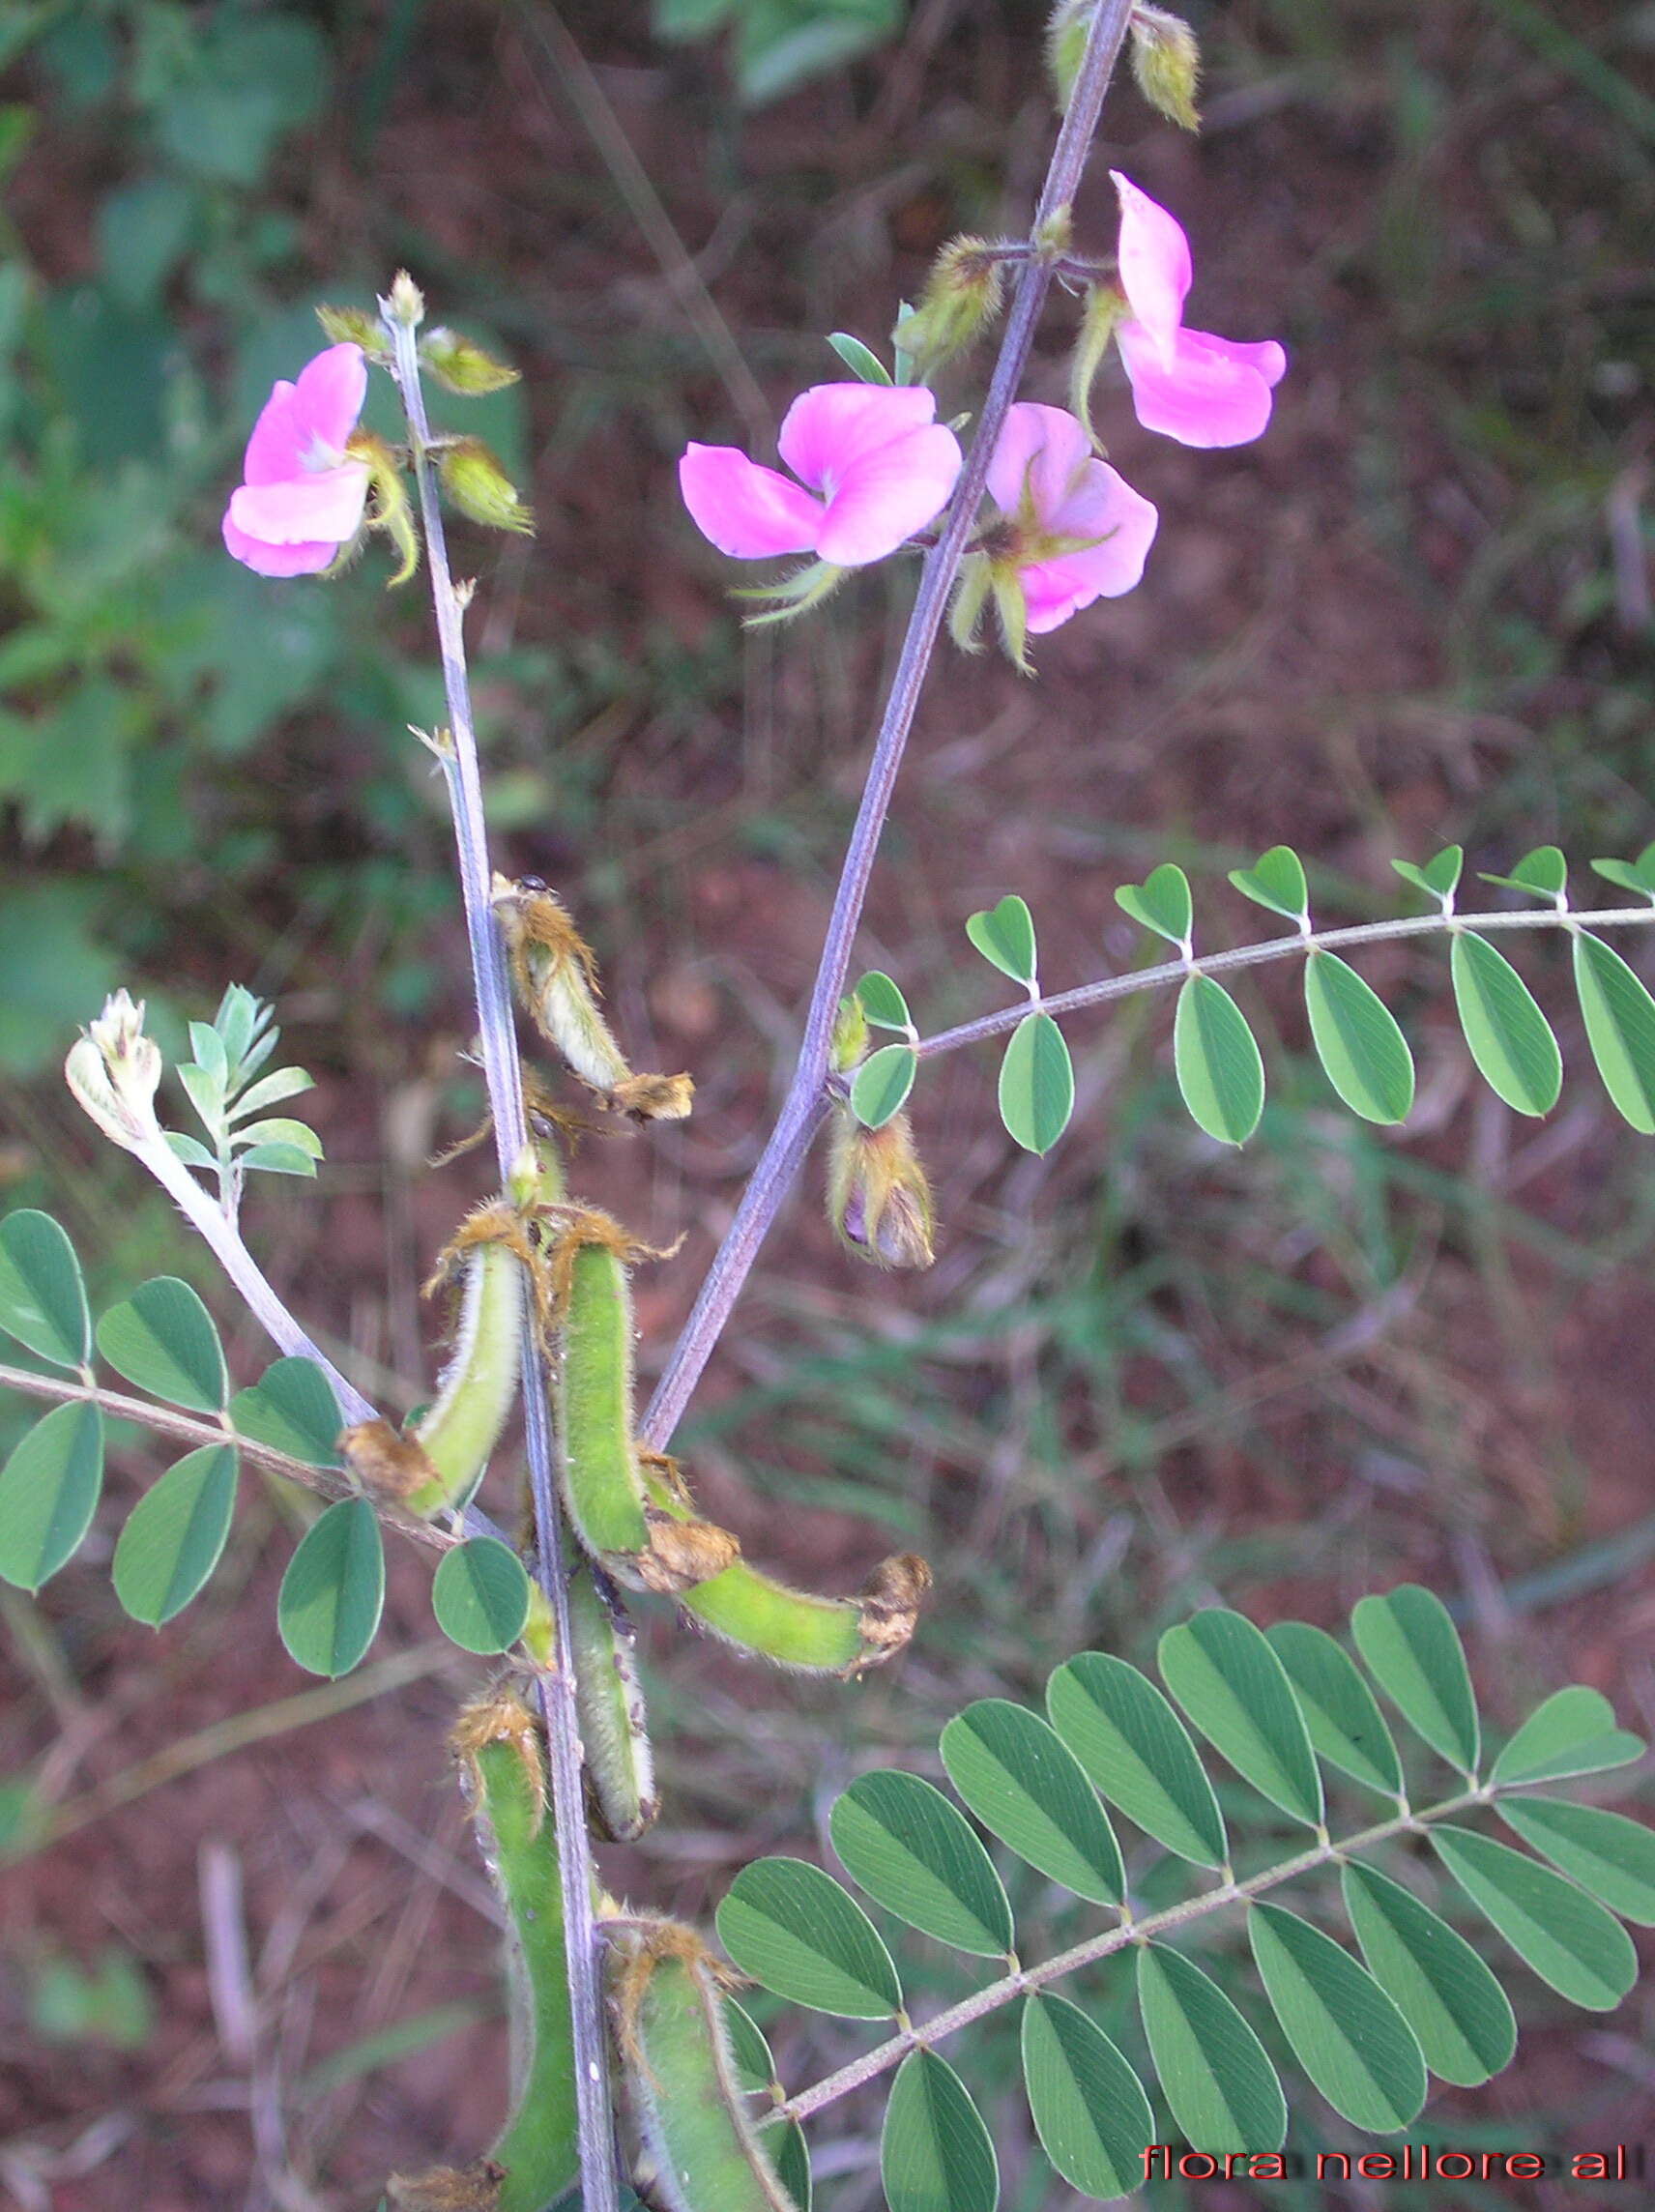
{"x": 114, "y": 1071}
{"x": 1188, "y": 385}
{"x": 302, "y": 495}
{"x": 878, "y": 1198}
{"x": 874, "y": 466}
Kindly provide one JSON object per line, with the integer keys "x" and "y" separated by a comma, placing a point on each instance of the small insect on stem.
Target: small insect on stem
{"x": 555, "y": 976}
{"x": 681, "y": 2075}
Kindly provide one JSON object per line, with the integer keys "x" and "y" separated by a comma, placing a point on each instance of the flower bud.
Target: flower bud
{"x": 479, "y": 487}
{"x": 1066, "y": 30}
{"x": 355, "y": 326}
{"x": 963, "y": 295}
{"x": 850, "y": 1040}
{"x": 406, "y": 304}
{"x": 114, "y": 1072}
{"x": 1165, "y": 61}
{"x": 461, "y": 365}
{"x": 878, "y": 1200}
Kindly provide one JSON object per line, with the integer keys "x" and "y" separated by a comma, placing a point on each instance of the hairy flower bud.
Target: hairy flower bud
{"x": 479, "y": 487}
{"x": 388, "y": 508}
{"x": 879, "y": 1199}
{"x": 1105, "y": 306}
{"x": 355, "y": 326}
{"x": 460, "y": 365}
{"x": 963, "y": 296}
{"x": 1166, "y": 62}
{"x": 850, "y": 1040}
{"x": 114, "y": 1072}
{"x": 406, "y": 302}
{"x": 1067, "y": 31}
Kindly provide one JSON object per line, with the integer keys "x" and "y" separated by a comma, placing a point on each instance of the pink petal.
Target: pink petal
{"x": 831, "y": 427}
{"x": 326, "y": 506}
{"x": 1212, "y": 392}
{"x": 329, "y": 395}
{"x": 750, "y": 513}
{"x": 1105, "y": 507}
{"x": 1042, "y": 447}
{"x": 301, "y": 560}
{"x": 1155, "y": 269}
{"x": 280, "y": 442}
{"x": 889, "y": 493}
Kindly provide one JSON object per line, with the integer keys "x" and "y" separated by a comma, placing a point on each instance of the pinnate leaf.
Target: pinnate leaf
{"x": 1561, "y": 1934}
{"x": 799, "y": 1933}
{"x": 162, "y": 1339}
{"x": 42, "y": 1298}
{"x": 1233, "y": 1687}
{"x": 1510, "y": 1038}
{"x": 329, "y": 1605}
{"x": 175, "y": 1536}
{"x": 1345, "y": 1723}
{"x": 1027, "y": 1788}
{"x": 1356, "y": 1038}
{"x": 934, "y": 2153}
{"x": 1573, "y": 1732}
{"x": 48, "y": 1493}
{"x": 1036, "y": 1084}
{"x": 1454, "y": 2005}
{"x": 1413, "y": 1651}
{"x": 1088, "y": 2107}
{"x": 1345, "y": 2031}
{"x": 1220, "y": 1075}
{"x": 914, "y": 1855}
{"x": 1214, "y": 2072}
{"x": 1137, "y": 1753}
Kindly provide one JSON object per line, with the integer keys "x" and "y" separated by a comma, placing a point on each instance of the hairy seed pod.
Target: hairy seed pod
{"x": 614, "y": 1726}
{"x": 556, "y": 980}
{"x": 681, "y": 2076}
{"x": 497, "y": 1744}
{"x": 494, "y": 1265}
{"x": 598, "y": 1463}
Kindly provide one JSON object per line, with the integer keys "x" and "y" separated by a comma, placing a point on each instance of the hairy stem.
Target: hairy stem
{"x": 833, "y": 2087}
{"x": 1275, "y": 949}
{"x": 502, "y": 1075}
{"x": 802, "y": 1109}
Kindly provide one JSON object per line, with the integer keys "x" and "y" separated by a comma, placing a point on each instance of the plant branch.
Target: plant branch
{"x": 502, "y": 1075}
{"x": 833, "y": 2087}
{"x": 1274, "y": 948}
{"x": 803, "y": 1107}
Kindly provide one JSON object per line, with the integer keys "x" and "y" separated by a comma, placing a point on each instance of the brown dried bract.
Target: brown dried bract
{"x": 474, "y": 2187}
{"x": 683, "y": 1553}
{"x": 533, "y": 918}
{"x": 498, "y": 1715}
{"x": 390, "y": 1467}
{"x": 889, "y": 1603}
{"x": 661, "y": 1470}
{"x": 497, "y": 1221}
{"x": 637, "y": 1950}
{"x": 572, "y": 1229}
{"x": 654, "y": 1097}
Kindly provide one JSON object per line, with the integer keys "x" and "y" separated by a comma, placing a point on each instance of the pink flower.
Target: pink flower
{"x": 301, "y": 497}
{"x": 874, "y": 466}
{"x": 1078, "y": 532}
{"x": 1188, "y": 385}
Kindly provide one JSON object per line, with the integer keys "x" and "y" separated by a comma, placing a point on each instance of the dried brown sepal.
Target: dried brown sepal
{"x": 888, "y": 1603}
{"x": 499, "y": 1222}
{"x": 498, "y": 1715}
{"x": 683, "y": 1553}
{"x": 571, "y": 1229}
{"x": 474, "y": 2187}
{"x": 654, "y": 1097}
{"x": 878, "y": 1197}
{"x": 546, "y": 1116}
{"x": 646, "y": 1941}
{"x": 660, "y": 1468}
{"x": 390, "y": 1467}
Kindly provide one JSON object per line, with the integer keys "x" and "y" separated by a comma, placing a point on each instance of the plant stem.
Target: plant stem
{"x": 502, "y": 1075}
{"x": 804, "y": 1105}
{"x": 1002, "y": 1992}
{"x": 1274, "y": 948}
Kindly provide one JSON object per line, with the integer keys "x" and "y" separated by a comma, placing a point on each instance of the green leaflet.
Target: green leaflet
{"x": 1557, "y": 1930}
{"x": 914, "y": 1854}
{"x": 1510, "y": 1038}
{"x": 1604, "y": 1852}
{"x": 1573, "y": 1732}
{"x": 1345, "y": 1725}
{"x": 1136, "y": 1751}
{"x": 1543, "y": 873}
{"x": 1439, "y": 878}
{"x": 1219, "y": 2083}
{"x": 1361, "y": 1049}
{"x": 1413, "y": 1650}
{"x": 162, "y": 1339}
{"x": 936, "y": 2155}
{"x": 480, "y": 1595}
{"x": 175, "y": 1536}
{"x": 882, "y": 1004}
{"x": 1345, "y": 2031}
{"x": 794, "y": 1929}
{"x": 1276, "y": 881}
{"x": 42, "y": 1297}
{"x": 1160, "y": 903}
{"x": 881, "y": 1086}
{"x": 1036, "y": 1084}
{"x": 1235, "y": 1690}
{"x": 329, "y": 1605}
{"x": 48, "y": 1493}
{"x": 1619, "y": 1015}
{"x": 602, "y": 1490}
{"x": 1454, "y": 2005}
{"x": 1026, "y": 1787}
{"x": 1005, "y": 935}
{"x": 1216, "y": 1059}
{"x": 292, "y": 1408}
{"x": 1089, "y": 2107}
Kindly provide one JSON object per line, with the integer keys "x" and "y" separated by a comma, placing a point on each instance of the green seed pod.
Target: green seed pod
{"x": 490, "y": 1260}
{"x": 597, "y": 1461}
{"x": 556, "y": 981}
{"x": 620, "y": 1769}
{"x": 681, "y": 2078}
{"x": 499, "y": 1745}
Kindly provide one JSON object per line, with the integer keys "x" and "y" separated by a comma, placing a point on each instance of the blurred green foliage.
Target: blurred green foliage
{"x": 779, "y": 45}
